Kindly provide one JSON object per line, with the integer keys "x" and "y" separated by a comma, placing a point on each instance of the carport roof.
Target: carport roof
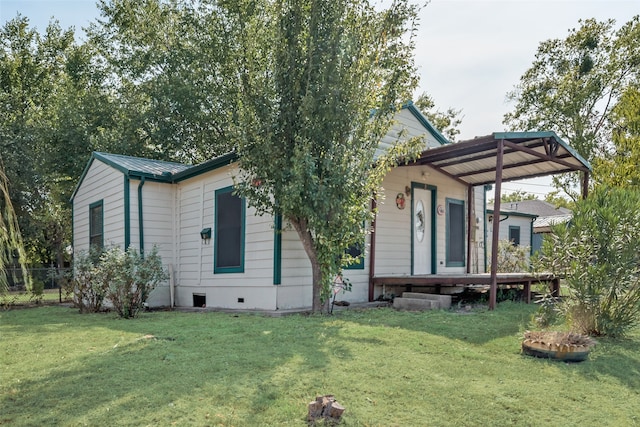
{"x": 525, "y": 155}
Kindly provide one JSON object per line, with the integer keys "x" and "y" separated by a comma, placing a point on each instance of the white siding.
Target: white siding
{"x": 101, "y": 182}
{"x": 158, "y": 223}
{"x": 503, "y": 233}
{"x": 405, "y": 127}
{"x": 194, "y": 258}
{"x": 393, "y": 226}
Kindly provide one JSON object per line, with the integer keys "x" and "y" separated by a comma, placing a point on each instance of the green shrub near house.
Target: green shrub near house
{"x": 597, "y": 255}
{"x": 123, "y": 278}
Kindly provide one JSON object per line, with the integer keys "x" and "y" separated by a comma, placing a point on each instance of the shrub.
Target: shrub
{"x": 88, "y": 294}
{"x": 127, "y": 278}
{"x": 512, "y": 258}
{"x": 598, "y": 257}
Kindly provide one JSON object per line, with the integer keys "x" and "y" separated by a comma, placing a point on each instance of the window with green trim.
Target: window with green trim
{"x": 96, "y": 225}
{"x": 514, "y": 235}
{"x": 356, "y": 251}
{"x": 455, "y": 255}
{"x": 229, "y": 229}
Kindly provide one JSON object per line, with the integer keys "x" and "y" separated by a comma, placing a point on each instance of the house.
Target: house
{"x": 547, "y": 214}
{"x": 220, "y": 253}
{"x": 515, "y": 226}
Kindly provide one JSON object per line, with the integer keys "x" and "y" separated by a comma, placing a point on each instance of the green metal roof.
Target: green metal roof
{"x": 139, "y": 167}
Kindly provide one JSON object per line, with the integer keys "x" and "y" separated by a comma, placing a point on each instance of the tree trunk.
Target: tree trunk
{"x": 307, "y": 243}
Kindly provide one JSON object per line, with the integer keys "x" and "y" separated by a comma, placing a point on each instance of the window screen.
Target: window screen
{"x": 96, "y": 225}
{"x": 514, "y": 235}
{"x": 455, "y": 233}
{"x": 229, "y": 232}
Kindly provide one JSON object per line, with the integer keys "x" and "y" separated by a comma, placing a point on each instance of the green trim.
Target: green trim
{"x": 515, "y": 227}
{"x": 84, "y": 174}
{"x": 426, "y": 123}
{"x": 232, "y": 269}
{"x": 513, "y": 213}
{"x": 165, "y": 177}
{"x": 91, "y": 207}
{"x": 277, "y": 250}
{"x": 434, "y": 238}
{"x": 208, "y": 166}
{"x": 73, "y": 228}
{"x": 127, "y": 213}
{"x": 531, "y": 238}
{"x": 357, "y": 265}
{"x": 141, "y": 218}
{"x": 448, "y": 203}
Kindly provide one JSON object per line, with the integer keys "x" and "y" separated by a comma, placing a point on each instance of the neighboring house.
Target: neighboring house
{"x": 546, "y": 215}
{"x": 221, "y": 254}
{"x": 515, "y": 226}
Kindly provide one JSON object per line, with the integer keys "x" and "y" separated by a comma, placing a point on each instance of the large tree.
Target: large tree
{"x": 57, "y": 112}
{"x": 619, "y": 166}
{"x": 573, "y": 84}
{"x": 173, "y": 65}
{"x": 321, "y": 82}
{"x": 11, "y": 246}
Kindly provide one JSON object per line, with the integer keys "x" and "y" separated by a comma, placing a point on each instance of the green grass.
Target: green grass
{"x": 387, "y": 368}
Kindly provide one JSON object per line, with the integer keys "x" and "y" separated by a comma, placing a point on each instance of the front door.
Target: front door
{"x": 421, "y": 228}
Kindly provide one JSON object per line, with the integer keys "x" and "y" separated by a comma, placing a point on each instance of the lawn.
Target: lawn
{"x": 387, "y": 368}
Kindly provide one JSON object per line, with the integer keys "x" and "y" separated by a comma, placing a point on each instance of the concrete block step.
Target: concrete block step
{"x": 417, "y": 304}
{"x": 443, "y": 300}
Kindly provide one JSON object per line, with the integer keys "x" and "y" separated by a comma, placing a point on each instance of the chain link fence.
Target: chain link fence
{"x": 48, "y": 287}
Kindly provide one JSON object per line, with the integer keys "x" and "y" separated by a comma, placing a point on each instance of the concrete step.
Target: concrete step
{"x": 417, "y": 304}
{"x": 444, "y": 301}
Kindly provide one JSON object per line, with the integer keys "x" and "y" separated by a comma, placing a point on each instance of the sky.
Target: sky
{"x": 469, "y": 53}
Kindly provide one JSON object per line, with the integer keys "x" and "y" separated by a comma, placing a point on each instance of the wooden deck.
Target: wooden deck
{"x": 448, "y": 280}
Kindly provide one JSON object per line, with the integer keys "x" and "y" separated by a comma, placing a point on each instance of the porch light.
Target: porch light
{"x": 205, "y": 234}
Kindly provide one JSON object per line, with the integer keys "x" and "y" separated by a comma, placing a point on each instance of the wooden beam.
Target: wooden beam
{"x": 550, "y": 158}
{"x": 493, "y": 290}
{"x": 470, "y": 224}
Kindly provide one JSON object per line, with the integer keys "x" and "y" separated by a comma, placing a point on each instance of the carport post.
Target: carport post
{"x": 493, "y": 290}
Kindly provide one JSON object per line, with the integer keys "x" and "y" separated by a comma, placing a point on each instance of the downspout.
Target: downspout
{"x": 372, "y": 250}
{"x": 140, "y": 217}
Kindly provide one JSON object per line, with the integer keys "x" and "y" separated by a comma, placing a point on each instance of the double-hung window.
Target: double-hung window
{"x": 96, "y": 225}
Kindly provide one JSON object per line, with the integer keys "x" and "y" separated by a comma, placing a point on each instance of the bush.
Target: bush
{"x": 598, "y": 257}
{"x": 88, "y": 295}
{"x": 512, "y": 258}
{"x": 124, "y": 278}
{"x": 127, "y": 278}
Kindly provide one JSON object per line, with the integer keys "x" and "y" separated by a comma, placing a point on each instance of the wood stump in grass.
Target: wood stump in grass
{"x": 325, "y": 407}
{"x": 565, "y": 346}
